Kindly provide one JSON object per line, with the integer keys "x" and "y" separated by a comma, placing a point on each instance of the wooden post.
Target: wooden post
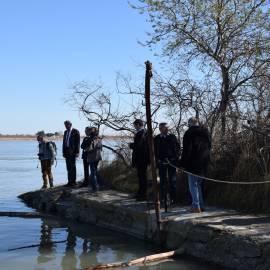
{"x": 148, "y": 76}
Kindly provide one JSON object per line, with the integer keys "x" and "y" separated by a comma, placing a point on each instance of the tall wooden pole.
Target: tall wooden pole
{"x": 148, "y": 76}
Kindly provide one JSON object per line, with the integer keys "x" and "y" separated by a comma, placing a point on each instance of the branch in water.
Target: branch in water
{"x": 38, "y": 245}
{"x": 142, "y": 260}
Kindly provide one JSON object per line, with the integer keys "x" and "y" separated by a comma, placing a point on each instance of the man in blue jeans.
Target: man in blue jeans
{"x": 167, "y": 148}
{"x": 94, "y": 155}
{"x": 195, "y": 159}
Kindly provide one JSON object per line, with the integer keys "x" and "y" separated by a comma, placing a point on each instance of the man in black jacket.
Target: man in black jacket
{"x": 167, "y": 148}
{"x": 195, "y": 159}
{"x": 140, "y": 157}
{"x": 71, "y": 150}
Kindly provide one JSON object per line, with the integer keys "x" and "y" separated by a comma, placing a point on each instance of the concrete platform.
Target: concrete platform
{"x": 219, "y": 236}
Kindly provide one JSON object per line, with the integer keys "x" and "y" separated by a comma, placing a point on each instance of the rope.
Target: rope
{"x": 216, "y": 180}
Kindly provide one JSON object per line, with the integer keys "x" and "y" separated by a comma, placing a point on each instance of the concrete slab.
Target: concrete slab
{"x": 221, "y": 236}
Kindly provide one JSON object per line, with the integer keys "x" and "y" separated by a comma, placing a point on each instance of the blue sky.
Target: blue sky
{"x": 46, "y": 45}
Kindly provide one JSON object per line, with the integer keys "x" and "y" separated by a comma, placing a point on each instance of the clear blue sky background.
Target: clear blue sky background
{"x": 46, "y": 45}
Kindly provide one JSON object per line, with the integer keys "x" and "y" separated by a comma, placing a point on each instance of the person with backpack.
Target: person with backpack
{"x": 140, "y": 157}
{"x": 195, "y": 159}
{"x": 167, "y": 148}
{"x": 46, "y": 155}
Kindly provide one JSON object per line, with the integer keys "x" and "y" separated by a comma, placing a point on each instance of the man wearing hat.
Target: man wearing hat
{"x": 71, "y": 150}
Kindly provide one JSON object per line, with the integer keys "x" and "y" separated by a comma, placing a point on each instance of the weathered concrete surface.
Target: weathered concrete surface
{"x": 223, "y": 237}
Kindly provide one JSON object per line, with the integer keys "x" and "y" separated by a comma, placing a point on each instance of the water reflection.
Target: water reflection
{"x": 76, "y": 246}
{"x": 46, "y": 249}
{"x": 69, "y": 260}
{"x": 62, "y": 245}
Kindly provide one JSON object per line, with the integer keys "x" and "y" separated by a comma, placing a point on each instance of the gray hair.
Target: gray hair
{"x": 193, "y": 121}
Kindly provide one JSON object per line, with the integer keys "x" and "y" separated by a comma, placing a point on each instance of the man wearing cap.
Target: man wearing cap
{"x": 71, "y": 150}
{"x": 195, "y": 159}
{"x": 140, "y": 157}
{"x": 167, "y": 148}
{"x": 46, "y": 155}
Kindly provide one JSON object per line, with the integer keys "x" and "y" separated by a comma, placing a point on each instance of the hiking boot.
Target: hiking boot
{"x": 51, "y": 184}
{"x": 44, "y": 187}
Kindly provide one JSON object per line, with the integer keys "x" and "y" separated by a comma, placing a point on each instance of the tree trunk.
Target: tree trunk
{"x": 225, "y": 93}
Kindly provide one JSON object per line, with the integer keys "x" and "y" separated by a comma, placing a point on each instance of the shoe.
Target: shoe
{"x": 44, "y": 187}
{"x": 172, "y": 202}
{"x": 141, "y": 198}
{"x": 73, "y": 184}
{"x": 196, "y": 210}
{"x": 84, "y": 184}
{"x": 70, "y": 185}
{"x": 95, "y": 189}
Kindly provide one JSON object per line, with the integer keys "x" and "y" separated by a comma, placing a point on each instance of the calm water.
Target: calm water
{"x": 39, "y": 244}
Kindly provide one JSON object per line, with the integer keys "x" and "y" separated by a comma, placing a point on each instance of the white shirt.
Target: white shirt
{"x": 68, "y": 137}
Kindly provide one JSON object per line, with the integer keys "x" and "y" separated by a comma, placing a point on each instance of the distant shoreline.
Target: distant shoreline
{"x": 53, "y": 138}
{"x": 17, "y": 138}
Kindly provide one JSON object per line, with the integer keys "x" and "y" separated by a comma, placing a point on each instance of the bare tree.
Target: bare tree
{"x": 230, "y": 39}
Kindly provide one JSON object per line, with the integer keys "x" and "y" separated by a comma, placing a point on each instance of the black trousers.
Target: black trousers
{"x": 71, "y": 169}
{"x": 142, "y": 177}
{"x": 86, "y": 171}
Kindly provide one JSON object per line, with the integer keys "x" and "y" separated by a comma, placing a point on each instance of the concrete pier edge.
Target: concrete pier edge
{"x": 223, "y": 237}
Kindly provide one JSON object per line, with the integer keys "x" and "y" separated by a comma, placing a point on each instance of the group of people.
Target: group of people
{"x": 91, "y": 155}
{"x": 194, "y": 158}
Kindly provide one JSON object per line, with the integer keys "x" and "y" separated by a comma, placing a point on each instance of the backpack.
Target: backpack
{"x": 53, "y": 144}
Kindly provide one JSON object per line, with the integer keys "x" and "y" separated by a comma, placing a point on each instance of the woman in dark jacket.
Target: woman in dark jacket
{"x": 94, "y": 155}
{"x": 85, "y": 144}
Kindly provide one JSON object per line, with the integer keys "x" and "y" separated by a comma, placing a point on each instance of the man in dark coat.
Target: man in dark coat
{"x": 71, "y": 150}
{"x": 167, "y": 148}
{"x": 140, "y": 157}
{"x": 195, "y": 159}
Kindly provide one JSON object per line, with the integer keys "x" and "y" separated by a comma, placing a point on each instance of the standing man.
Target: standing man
{"x": 46, "y": 155}
{"x": 167, "y": 148}
{"x": 140, "y": 157}
{"x": 71, "y": 150}
{"x": 195, "y": 159}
